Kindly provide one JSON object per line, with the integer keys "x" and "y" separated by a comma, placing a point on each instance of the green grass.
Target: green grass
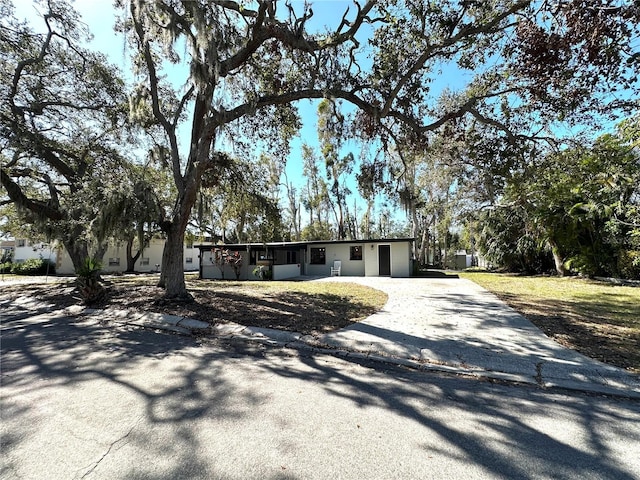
{"x": 597, "y": 318}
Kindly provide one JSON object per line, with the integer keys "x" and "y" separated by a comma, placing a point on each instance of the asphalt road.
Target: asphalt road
{"x": 84, "y": 399}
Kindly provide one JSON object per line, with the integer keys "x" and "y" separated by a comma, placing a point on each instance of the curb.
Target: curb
{"x": 284, "y": 339}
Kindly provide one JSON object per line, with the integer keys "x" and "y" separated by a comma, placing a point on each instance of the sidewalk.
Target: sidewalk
{"x": 442, "y": 324}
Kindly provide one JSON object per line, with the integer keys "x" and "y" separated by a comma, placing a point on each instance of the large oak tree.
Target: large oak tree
{"x": 246, "y": 67}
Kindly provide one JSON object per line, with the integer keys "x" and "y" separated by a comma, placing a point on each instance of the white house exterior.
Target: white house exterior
{"x": 384, "y": 257}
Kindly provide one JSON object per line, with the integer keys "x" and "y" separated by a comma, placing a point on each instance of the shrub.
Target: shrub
{"x": 34, "y": 266}
{"x": 89, "y": 283}
{"x": 629, "y": 264}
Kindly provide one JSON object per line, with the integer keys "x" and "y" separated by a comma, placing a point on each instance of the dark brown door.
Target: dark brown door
{"x": 384, "y": 260}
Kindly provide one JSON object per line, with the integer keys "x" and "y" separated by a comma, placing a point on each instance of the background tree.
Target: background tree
{"x": 61, "y": 122}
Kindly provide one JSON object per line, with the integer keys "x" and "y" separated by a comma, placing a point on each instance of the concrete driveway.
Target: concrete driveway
{"x": 453, "y": 323}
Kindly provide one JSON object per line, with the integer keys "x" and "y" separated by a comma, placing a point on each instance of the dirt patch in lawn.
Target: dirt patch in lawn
{"x": 307, "y": 307}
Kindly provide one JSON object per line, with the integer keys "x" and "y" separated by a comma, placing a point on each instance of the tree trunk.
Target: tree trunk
{"x": 558, "y": 259}
{"x": 132, "y": 259}
{"x": 172, "y": 274}
{"x": 424, "y": 248}
{"x": 78, "y": 251}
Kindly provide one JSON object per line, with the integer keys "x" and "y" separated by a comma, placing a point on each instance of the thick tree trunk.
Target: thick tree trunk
{"x": 172, "y": 274}
{"x": 78, "y": 251}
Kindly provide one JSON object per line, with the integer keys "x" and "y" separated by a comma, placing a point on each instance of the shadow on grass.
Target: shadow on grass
{"x": 588, "y": 328}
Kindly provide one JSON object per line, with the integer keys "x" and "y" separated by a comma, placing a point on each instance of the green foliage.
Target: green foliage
{"x": 90, "y": 268}
{"x": 581, "y": 204}
{"x": 263, "y": 272}
{"x": 34, "y": 266}
{"x": 89, "y": 281}
{"x": 629, "y": 264}
{"x": 509, "y": 242}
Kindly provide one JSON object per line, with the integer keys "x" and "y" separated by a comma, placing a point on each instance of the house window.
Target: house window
{"x": 188, "y": 260}
{"x": 355, "y": 253}
{"x": 21, "y": 243}
{"x": 189, "y": 243}
{"x": 144, "y": 261}
{"x": 292, "y": 257}
{"x": 114, "y": 262}
{"x": 318, "y": 256}
{"x": 255, "y": 255}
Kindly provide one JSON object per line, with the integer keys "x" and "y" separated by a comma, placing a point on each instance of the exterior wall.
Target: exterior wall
{"x": 401, "y": 259}
{"x": 212, "y": 271}
{"x": 281, "y": 272}
{"x": 371, "y": 260}
{"x": 115, "y": 259}
{"x": 26, "y": 250}
{"x": 342, "y": 252}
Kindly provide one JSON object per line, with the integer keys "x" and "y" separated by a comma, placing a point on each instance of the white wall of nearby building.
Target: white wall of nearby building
{"x": 114, "y": 260}
{"x": 26, "y": 250}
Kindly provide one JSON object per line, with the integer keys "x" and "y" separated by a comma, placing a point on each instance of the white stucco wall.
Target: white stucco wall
{"x": 282, "y": 272}
{"x": 151, "y": 256}
{"x": 400, "y": 259}
{"x": 212, "y": 271}
{"x": 371, "y": 259}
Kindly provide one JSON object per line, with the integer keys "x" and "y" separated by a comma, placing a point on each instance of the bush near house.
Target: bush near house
{"x": 34, "y": 266}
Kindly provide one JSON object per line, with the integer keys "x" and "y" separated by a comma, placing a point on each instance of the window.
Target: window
{"x": 21, "y": 243}
{"x": 189, "y": 243}
{"x": 188, "y": 260}
{"x": 355, "y": 253}
{"x": 114, "y": 262}
{"x": 144, "y": 261}
{"x": 318, "y": 256}
{"x": 292, "y": 257}
{"x": 255, "y": 255}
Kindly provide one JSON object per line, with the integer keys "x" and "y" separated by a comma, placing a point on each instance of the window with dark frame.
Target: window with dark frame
{"x": 355, "y": 253}
{"x": 292, "y": 257}
{"x": 318, "y": 256}
{"x": 189, "y": 260}
{"x": 114, "y": 262}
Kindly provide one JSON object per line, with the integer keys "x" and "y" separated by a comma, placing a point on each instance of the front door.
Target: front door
{"x": 384, "y": 260}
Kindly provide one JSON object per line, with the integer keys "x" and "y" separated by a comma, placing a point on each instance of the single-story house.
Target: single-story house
{"x": 282, "y": 260}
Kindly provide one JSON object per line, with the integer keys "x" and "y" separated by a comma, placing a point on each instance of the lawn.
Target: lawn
{"x": 598, "y": 319}
{"x": 304, "y": 306}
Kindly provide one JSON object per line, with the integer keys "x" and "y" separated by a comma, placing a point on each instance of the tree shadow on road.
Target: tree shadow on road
{"x": 58, "y": 355}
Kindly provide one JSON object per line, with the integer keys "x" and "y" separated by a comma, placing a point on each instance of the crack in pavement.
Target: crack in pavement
{"x": 111, "y": 446}
{"x": 538, "y": 375}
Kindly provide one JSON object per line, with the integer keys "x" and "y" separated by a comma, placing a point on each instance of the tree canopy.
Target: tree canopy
{"x": 235, "y": 73}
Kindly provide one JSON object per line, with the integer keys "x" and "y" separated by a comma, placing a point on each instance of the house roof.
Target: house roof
{"x": 302, "y": 244}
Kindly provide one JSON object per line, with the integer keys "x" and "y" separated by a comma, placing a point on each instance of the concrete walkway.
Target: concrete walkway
{"x": 444, "y": 324}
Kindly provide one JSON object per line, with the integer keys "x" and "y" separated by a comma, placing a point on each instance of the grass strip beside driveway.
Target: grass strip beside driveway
{"x": 598, "y": 319}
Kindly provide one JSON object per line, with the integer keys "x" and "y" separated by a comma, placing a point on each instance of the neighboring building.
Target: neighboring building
{"x": 114, "y": 260}
{"x": 384, "y": 257}
{"x": 23, "y": 249}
